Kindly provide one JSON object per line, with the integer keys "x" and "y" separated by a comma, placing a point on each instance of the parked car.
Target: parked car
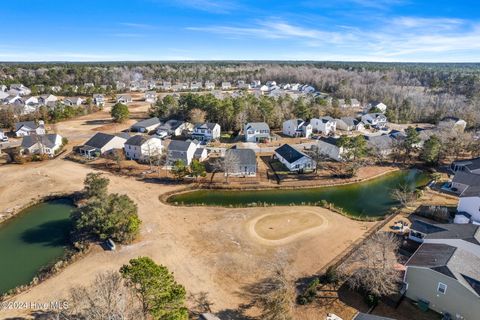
{"x": 110, "y": 244}
{"x": 4, "y": 139}
{"x": 162, "y": 134}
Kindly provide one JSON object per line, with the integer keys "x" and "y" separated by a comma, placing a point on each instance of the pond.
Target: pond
{"x": 33, "y": 239}
{"x": 371, "y": 198}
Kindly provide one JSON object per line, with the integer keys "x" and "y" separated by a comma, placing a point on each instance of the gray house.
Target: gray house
{"x": 445, "y": 278}
{"x": 240, "y": 162}
{"x": 349, "y": 124}
{"x": 102, "y": 143}
{"x": 146, "y": 125}
{"x": 256, "y": 132}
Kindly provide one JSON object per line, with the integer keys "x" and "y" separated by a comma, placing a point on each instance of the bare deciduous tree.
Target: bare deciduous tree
{"x": 374, "y": 265}
{"x": 404, "y": 194}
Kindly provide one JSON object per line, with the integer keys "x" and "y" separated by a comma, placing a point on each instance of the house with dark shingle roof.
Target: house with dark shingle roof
{"x": 256, "y": 132}
{"x": 174, "y": 127}
{"x": 143, "y": 148}
{"x": 297, "y": 128}
{"x": 181, "y": 150}
{"x": 293, "y": 159}
{"x": 47, "y": 144}
{"x": 240, "y": 163}
{"x": 349, "y": 124}
{"x": 446, "y": 278}
{"x": 469, "y": 165}
{"x": 146, "y": 125}
{"x": 101, "y": 144}
{"x": 27, "y": 128}
{"x": 206, "y": 131}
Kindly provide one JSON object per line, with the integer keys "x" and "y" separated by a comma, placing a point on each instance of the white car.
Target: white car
{"x": 162, "y": 134}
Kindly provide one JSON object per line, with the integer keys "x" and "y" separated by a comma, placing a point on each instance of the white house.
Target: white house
{"x": 256, "y": 83}
{"x": 209, "y": 85}
{"x": 196, "y": 85}
{"x": 142, "y": 148}
{"x": 20, "y": 89}
{"x": 166, "y": 85}
{"x": 354, "y": 103}
{"x": 293, "y": 159}
{"x": 375, "y": 120}
{"x": 256, "y": 132}
{"x": 380, "y": 106}
{"x": 146, "y": 125}
{"x": 47, "y": 144}
{"x": 307, "y": 89}
{"x": 150, "y": 96}
{"x": 124, "y": 98}
{"x": 45, "y": 99}
{"x": 468, "y": 208}
{"x": 297, "y": 128}
{"x": 206, "y": 131}
{"x": 241, "y": 84}
{"x": 27, "y": 128}
{"x": 174, "y": 127}
{"x": 74, "y": 101}
{"x": 328, "y": 147}
{"x": 226, "y": 85}
{"x": 120, "y": 85}
{"x": 99, "y": 100}
{"x": 102, "y": 144}
{"x": 325, "y": 125}
{"x": 349, "y": 124}
{"x": 181, "y": 150}
{"x": 31, "y": 101}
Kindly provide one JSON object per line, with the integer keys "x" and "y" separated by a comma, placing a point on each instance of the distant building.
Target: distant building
{"x": 226, "y": 85}
{"x": 209, "y": 85}
{"x": 380, "y": 106}
{"x": 99, "y": 100}
{"x": 452, "y": 123}
{"x": 150, "y": 96}
{"x": 124, "y": 98}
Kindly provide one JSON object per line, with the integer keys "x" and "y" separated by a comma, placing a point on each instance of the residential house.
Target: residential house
{"x": 20, "y": 89}
{"x": 381, "y": 145}
{"x": 376, "y": 105}
{"x": 46, "y": 98}
{"x": 446, "y": 279}
{"x": 174, "y": 127}
{"x": 99, "y": 100}
{"x": 74, "y": 101}
{"x": 55, "y": 88}
{"x": 181, "y": 150}
{"x": 241, "y": 84}
{"x": 143, "y": 148}
{"x": 375, "y": 120}
{"x": 255, "y": 84}
{"x": 3, "y": 88}
{"x": 342, "y": 104}
{"x": 206, "y": 131}
{"x": 293, "y": 159}
{"x": 150, "y": 96}
{"x": 307, "y": 89}
{"x": 102, "y": 144}
{"x": 134, "y": 86}
{"x": 256, "y": 132}
{"x": 468, "y": 208}
{"x": 452, "y": 123}
{"x": 3, "y": 95}
{"x": 462, "y": 180}
{"x": 27, "y": 128}
{"x": 42, "y": 144}
{"x": 146, "y": 125}
{"x": 226, "y": 85}
{"x": 12, "y": 98}
{"x": 464, "y": 236}
{"x": 3, "y": 137}
{"x": 297, "y": 128}
{"x": 119, "y": 85}
{"x": 328, "y": 147}
{"x": 89, "y": 85}
{"x": 354, "y": 103}
{"x": 240, "y": 163}
{"x": 180, "y": 86}
{"x": 30, "y": 101}
{"x": 124, "y": 98}
{"x": 196, "y": 85}
{"x": 326, "y": 125}
{"x": 470, "y": 166}
{"x": 209, "y": 85}
{"x": 165, "y": 86}
{"x": 349, "y": 124}
{"x": 200, "y": 154}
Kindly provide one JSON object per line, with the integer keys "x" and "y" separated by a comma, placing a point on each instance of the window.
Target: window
{"x": 442, "y": 288}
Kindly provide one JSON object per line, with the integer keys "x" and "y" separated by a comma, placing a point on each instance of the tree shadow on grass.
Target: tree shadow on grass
{"x": 52, "y": 234}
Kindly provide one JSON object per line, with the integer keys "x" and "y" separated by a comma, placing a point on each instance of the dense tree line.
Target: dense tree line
{"x": 414, "y": 92}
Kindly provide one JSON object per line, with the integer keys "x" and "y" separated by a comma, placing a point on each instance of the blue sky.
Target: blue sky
{"x": 351, "y": 30}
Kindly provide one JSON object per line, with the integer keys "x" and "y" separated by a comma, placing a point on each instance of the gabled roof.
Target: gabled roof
{"x": 171, "y": 124}
{"x": 137, "y": 140}
{"x": 257, "y": 126}
{"x": 48, "y": 140}
{"x": 326, "y": 119}
{"x": 245, "y": 157}
{"x": 99, "y": 140}
{"x": 178, "y": 145}
{"x": 147, "y": 123}
{"x": 456, "y": 263}
{"x": 26, "y": 124}
{"x": 470, "y": 164}
{"x": 289, "y": 153}
{"x": 384, "y": 141}
{"x": 350, "y": 121}
{"x": 206, "y": 125}
{"x": 467, "y": 232}
{"x": 467, "y": 178}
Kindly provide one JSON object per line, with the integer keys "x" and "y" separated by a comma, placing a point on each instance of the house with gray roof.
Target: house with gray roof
{"x": 143, "y": 148}
{"x": 146, "y": 125}
{"x": 257, "y": 132}
{"x": 206, "y": 131}
{"x": 446, "y": 278}
{"x": 326, "y": 125}
{"x": 26, "y": 128}
{"x": 174, "y": 127}
{"x": 99, "y": 100}
{"x": 469, "y": 165}
{"x": 328, "y": 147}
{"x": 150, "y": 96}
{"x": 349, "y": 124}
{"x": 102, "y": 144}
{"x": 124, "y": 98}
{"x": 381, "y": 145}
{"x": 375, "y": 120}
{"x": 181, "y": 150}
{"x": 73, "y": 101}
{"x": 240, "y": 163}
{"x": 293, "y": 159}
{"x": 297, "y": 128}
{"x": 453, "y": 124}
{"x": 43, "y": 144}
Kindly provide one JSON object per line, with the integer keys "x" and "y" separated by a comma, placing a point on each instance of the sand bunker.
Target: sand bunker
{"x": 285, "y": 227}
